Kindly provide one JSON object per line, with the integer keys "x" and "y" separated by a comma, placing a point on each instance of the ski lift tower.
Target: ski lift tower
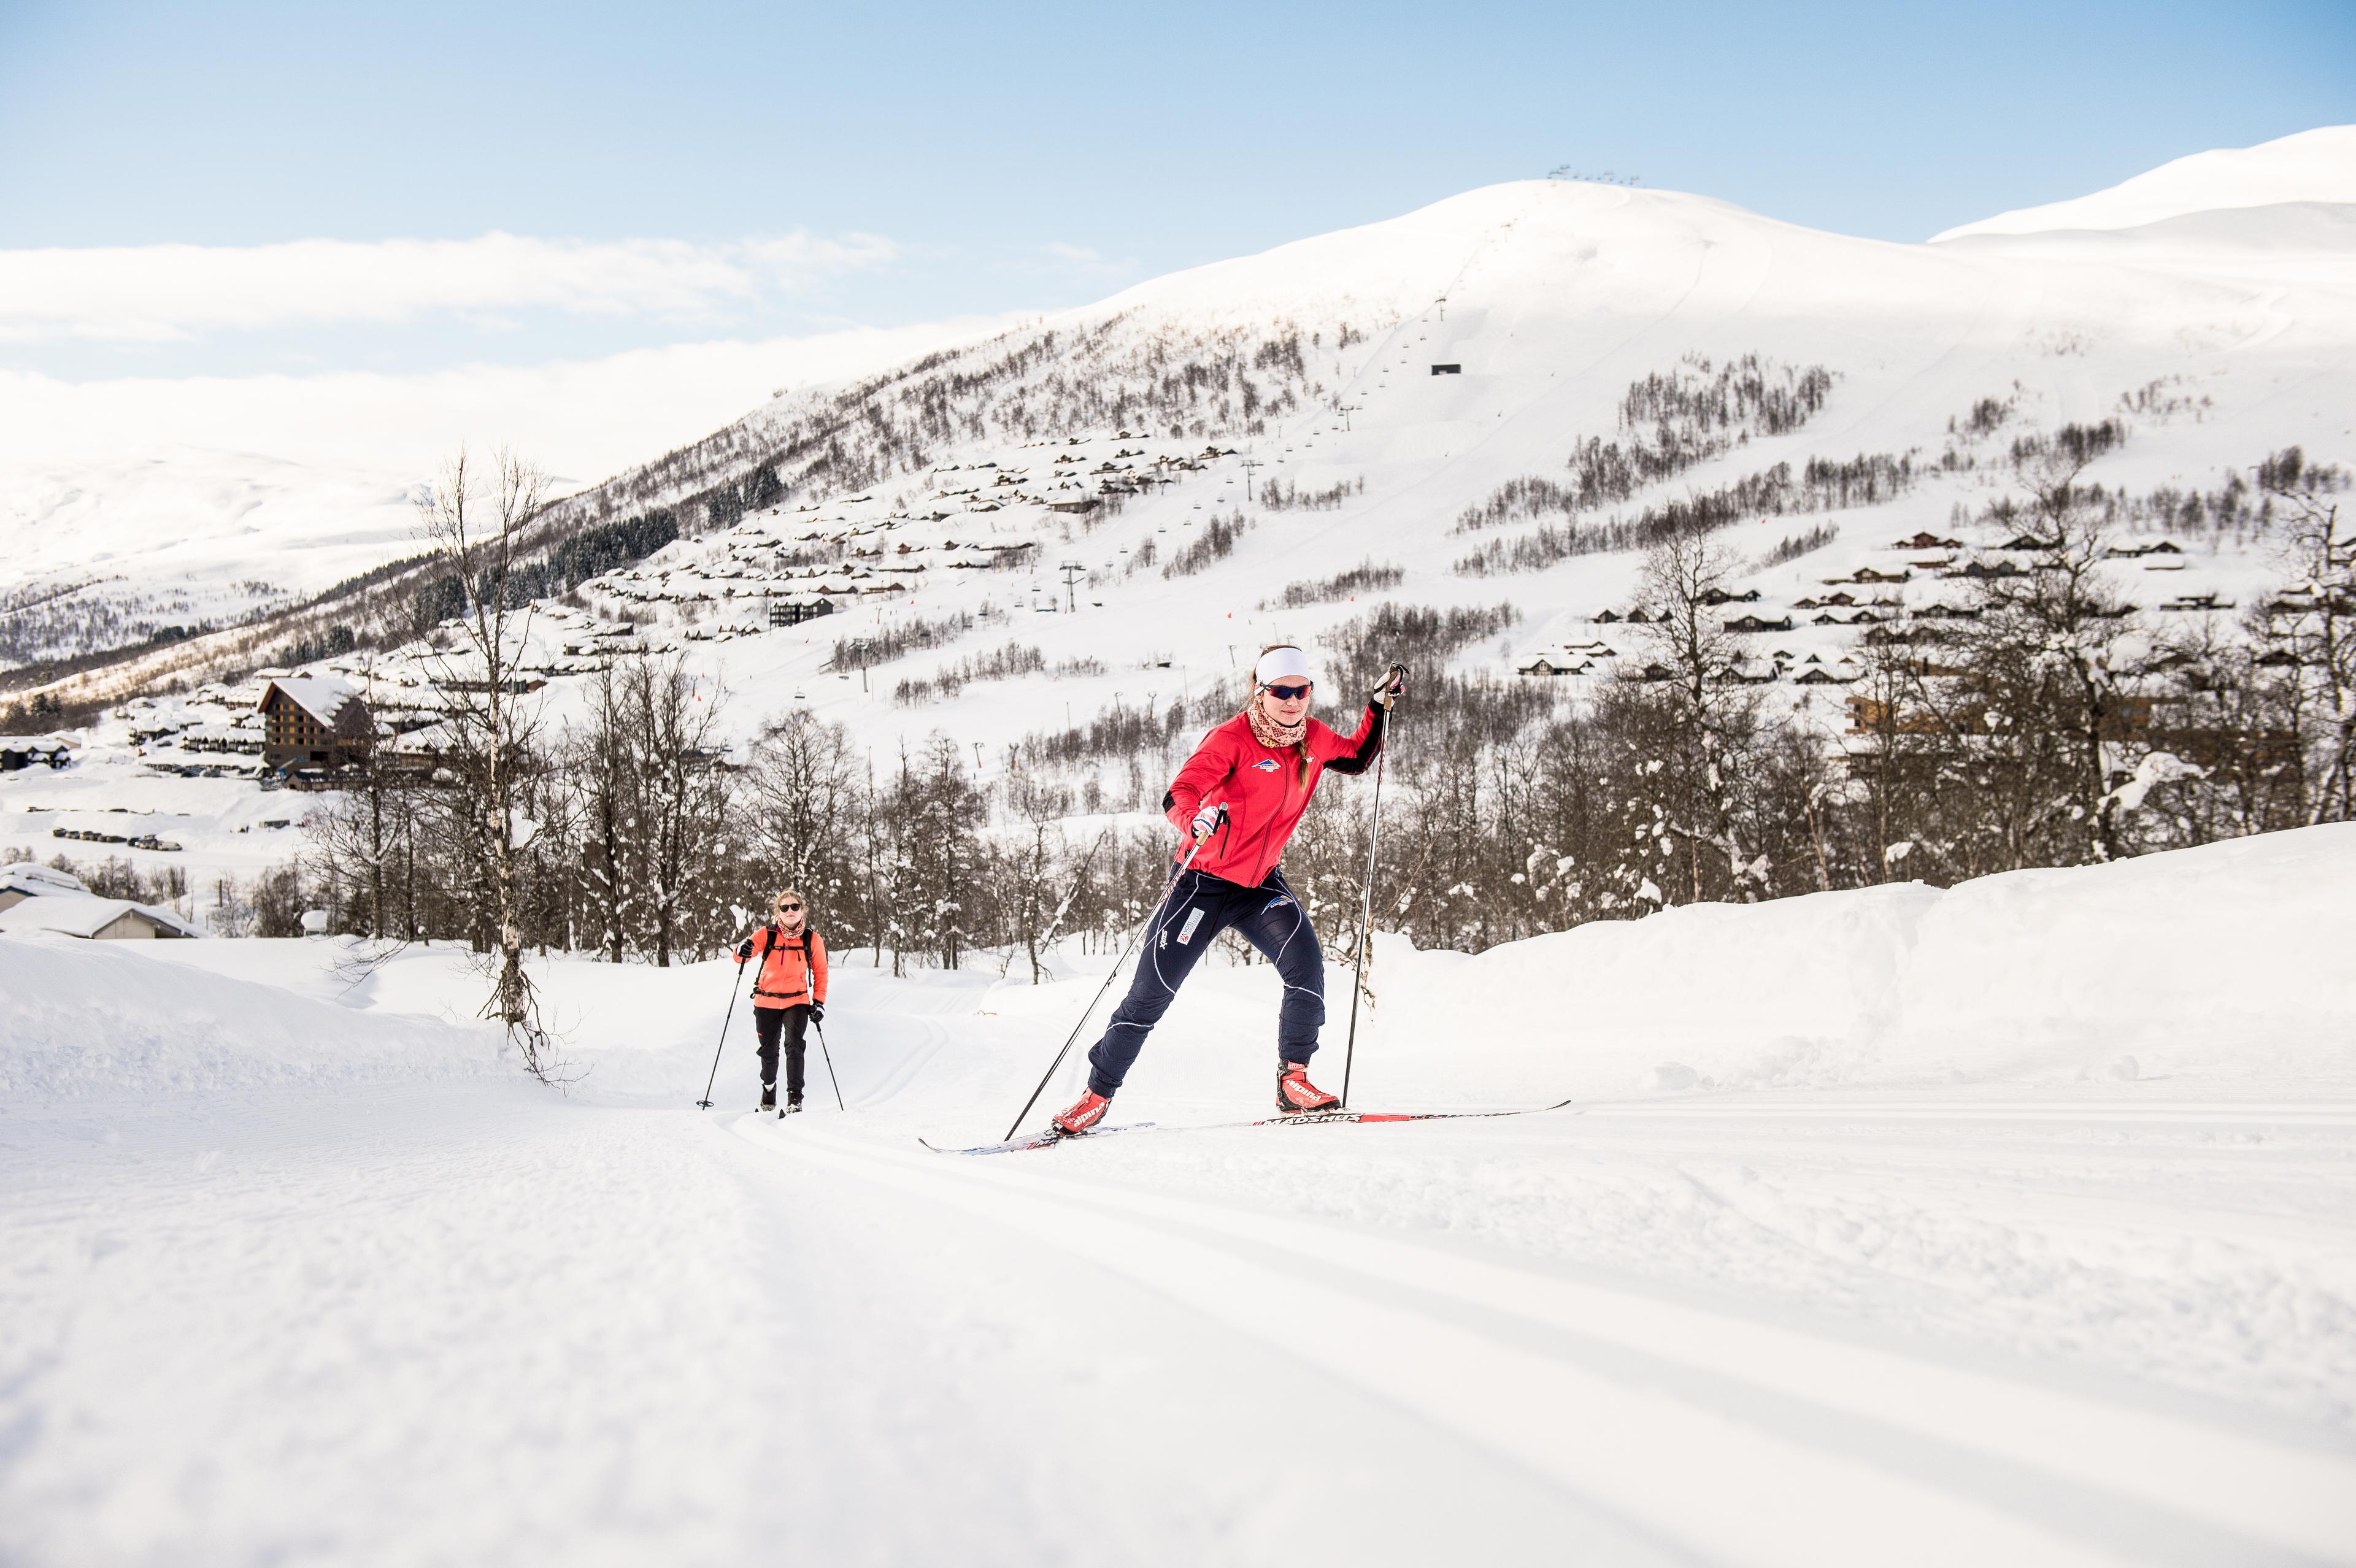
{"x": 1249, "y": 464}
{"x": 1071, "y": 571}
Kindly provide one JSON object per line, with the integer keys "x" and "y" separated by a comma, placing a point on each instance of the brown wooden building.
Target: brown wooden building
{"x": 314, "y": 721}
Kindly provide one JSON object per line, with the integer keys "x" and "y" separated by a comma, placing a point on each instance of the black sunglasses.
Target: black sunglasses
{"x": 1287, "y": 693}
{"x": 787, "y": 909}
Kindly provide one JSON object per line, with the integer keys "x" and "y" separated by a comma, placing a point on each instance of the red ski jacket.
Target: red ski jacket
{"x": 1263, "y": 788}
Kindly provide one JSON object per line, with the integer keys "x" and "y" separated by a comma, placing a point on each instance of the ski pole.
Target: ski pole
{"x": 706, "y": 1102}
{"x": 1119, "y": 965}
{"x": 1366, "y": 906}
{"x": 828, "y": 1057}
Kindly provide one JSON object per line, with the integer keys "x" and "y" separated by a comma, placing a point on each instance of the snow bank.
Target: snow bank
{"x": 88, "y": 1019}
{"x": 2218, "y": 964}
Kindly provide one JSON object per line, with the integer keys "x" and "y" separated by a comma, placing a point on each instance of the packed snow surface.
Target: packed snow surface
{"x": 2012, "y": 1223}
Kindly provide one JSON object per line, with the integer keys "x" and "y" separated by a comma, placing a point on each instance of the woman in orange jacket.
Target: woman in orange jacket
{"x": 788, "y": 993}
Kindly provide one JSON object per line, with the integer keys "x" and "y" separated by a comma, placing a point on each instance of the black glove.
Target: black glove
{"x": 1389, "y": 688}
{"x": 817, "y": 1012}
{"x": 743, "y": 950}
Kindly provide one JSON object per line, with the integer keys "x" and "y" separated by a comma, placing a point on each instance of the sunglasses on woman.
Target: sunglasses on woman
{"x": 787, "y": 909}
{"x": 1289, "y": 693}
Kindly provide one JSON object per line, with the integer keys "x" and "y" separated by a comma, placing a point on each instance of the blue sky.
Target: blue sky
{"x": 805, "y": 167}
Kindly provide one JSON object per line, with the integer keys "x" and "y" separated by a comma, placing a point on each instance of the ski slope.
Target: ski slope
{"x": 292, "y": 1268}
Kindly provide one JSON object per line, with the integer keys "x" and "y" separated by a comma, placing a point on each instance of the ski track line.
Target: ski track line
{"x": 901, "y": 1074}
{"x": 2166, "y": 1489}
{"x": 2197, "y": 1115}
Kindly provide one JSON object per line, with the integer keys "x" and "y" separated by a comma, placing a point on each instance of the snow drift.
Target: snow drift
{"x": 94, "y": 1019}
{"x": 2216, "y": 964}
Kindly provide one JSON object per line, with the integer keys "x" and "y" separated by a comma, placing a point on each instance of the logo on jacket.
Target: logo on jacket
{"x": 1266, "y": 764}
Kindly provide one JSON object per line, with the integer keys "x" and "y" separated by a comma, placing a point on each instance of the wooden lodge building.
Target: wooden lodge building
{"x": 314, "y": 721}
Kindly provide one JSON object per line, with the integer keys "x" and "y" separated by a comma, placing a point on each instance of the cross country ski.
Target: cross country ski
{"x": 1054, "y": 1136}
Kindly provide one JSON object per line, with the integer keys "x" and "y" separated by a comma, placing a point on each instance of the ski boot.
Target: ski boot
{"x": 768, "y": 1098}
{"x": 792, "y": 1107}
{"x": 1085, "y": 1113}
{"x": 1295, "y": 1096}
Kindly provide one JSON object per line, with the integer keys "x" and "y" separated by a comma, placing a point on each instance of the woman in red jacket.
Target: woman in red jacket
{"x": 789, "y": 991}
{"x": 1239, "y": 797}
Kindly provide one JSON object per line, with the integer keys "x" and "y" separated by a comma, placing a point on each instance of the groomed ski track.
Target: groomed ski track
{"x": 462, "y": 1318}
{"x": 1815, "y": 1449}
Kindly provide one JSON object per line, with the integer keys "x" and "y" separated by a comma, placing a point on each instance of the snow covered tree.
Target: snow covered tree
{"x": 1713, "y": 721}
{"x": 803, "y": 808}
{"x": 683, "y": 783}
{"x": 2311, "y": 627}
{"x": 2050, "y": 671}
{"x": 602, "y": 772}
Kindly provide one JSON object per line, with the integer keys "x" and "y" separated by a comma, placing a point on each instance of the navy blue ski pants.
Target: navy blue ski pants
{"x": 1199, "y": 907}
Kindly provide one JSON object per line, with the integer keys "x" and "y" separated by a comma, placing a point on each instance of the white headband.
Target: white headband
{"x": 1286, "y": 663}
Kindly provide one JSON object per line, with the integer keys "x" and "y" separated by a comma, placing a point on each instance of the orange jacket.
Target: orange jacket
{"x": 793, "y": 969}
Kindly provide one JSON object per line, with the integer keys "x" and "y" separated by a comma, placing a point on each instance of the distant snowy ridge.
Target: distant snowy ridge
{"x": 2317, "y": 166}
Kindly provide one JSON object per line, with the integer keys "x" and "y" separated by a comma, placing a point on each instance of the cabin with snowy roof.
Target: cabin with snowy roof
{"x": 25, "y": 880}
{"x": 94, "y": 919}
{"x": 1553, "y": 662}
{"x": 19, "y": 751}
{"x": 314, "y": 721}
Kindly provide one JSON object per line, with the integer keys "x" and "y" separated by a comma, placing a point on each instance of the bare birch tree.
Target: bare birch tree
{"x": 473, "y": 522}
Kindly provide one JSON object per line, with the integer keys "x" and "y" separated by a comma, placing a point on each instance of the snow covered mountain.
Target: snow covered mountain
{"x": 1410, "y": 397}
{"x": 1556, "y": 297}
{"x": 1407, "y": 373}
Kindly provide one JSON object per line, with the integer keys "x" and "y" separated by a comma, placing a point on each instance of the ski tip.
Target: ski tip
{"x": 1038, "y": 1140}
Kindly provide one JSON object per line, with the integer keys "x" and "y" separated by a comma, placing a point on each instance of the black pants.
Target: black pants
{"x": 1198, "y": 908}
{"x": 769, "y": 1023}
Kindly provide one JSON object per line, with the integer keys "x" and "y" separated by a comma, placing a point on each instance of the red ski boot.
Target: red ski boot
{"x": 1295, "y": 1094}
{"x": 1085, "y": 1113}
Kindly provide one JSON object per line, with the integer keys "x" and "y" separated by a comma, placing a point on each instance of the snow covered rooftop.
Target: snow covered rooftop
{"x": 322, "y": 695}
{"x": 79, "y": 914}
{"x": 35, "y": 880}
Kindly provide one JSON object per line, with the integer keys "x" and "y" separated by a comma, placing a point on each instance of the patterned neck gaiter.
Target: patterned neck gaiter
{"x": 1270, "y": 733}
